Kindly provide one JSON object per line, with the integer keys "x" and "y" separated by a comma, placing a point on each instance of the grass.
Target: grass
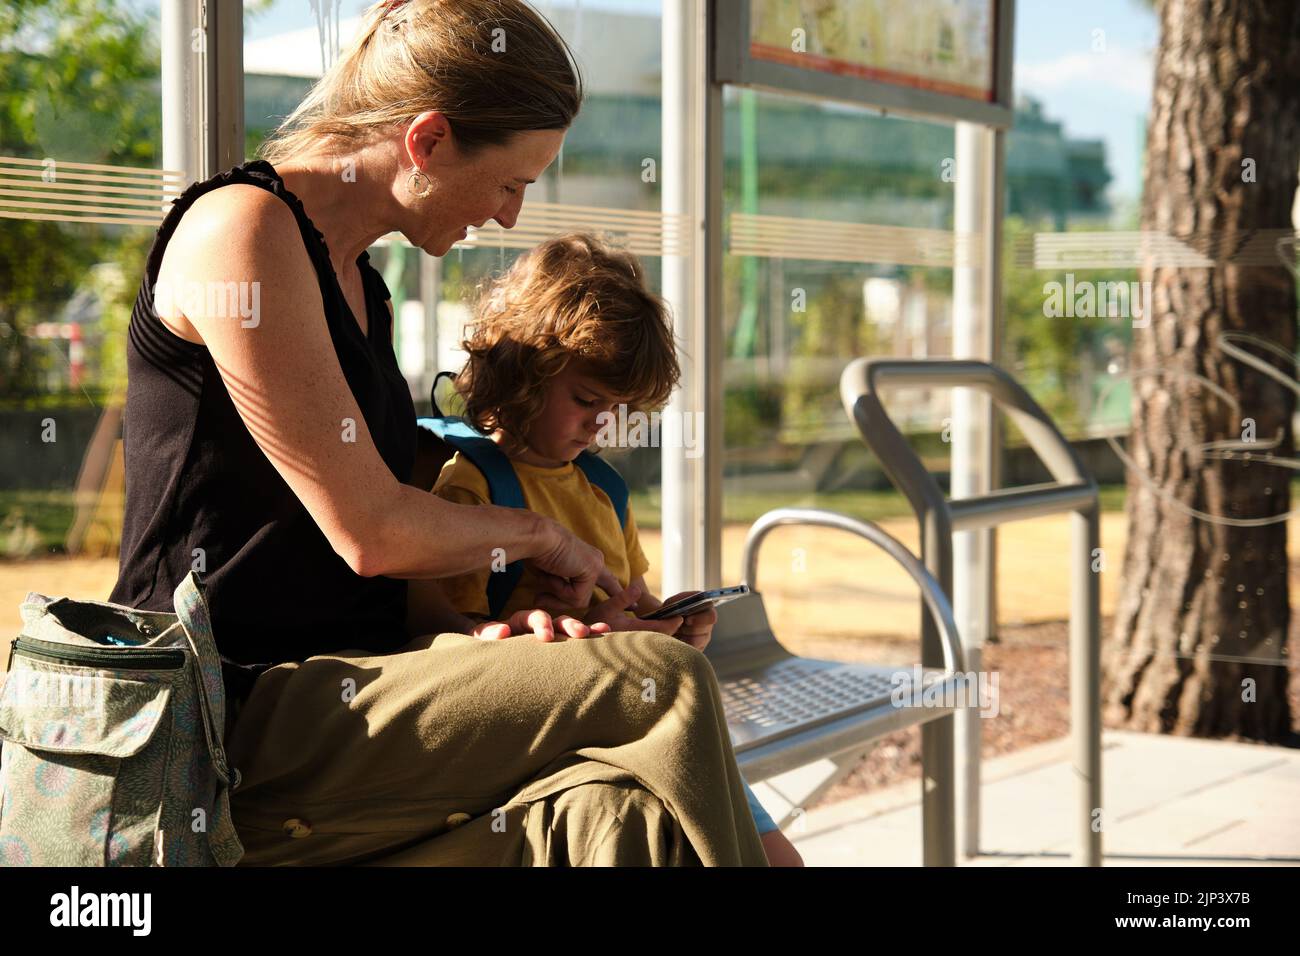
{"x": 745, "y": 508}
{"x": 50, "y": 513}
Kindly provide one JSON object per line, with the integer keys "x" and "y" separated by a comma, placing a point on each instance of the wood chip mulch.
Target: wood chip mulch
{"x": 1034, "y": 706}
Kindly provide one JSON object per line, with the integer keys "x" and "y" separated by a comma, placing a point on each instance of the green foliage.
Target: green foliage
{"x": 751, "y": 412}
{"x": 835, "y": 326}
{"x": 1053, "y": 357}
{"x": 78, "y": 83}
{"x": 39, "y": 269}
{"x": 744, "y": 507}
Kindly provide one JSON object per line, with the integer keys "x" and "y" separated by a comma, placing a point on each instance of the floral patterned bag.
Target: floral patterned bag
{"x": 111, "y": 727}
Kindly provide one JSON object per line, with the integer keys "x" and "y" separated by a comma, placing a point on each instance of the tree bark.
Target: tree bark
{"x": 1204, "y": 609}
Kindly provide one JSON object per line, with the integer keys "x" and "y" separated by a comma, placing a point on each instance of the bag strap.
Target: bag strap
{"x": 439, "y": 411}
{"x": 503, "y": 489}
{"x": 192, "y": 609}
{"x": 606, "y": 477}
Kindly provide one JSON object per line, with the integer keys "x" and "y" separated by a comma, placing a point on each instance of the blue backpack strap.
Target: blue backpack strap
{"x": 503, "y": 489}
{"x": 605, "y": 477}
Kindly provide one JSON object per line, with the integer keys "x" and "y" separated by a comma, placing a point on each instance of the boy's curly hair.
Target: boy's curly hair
{"x": 572, "y": 298}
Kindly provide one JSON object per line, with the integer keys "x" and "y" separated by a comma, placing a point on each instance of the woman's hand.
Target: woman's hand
{"x": 610, "y": 613}
{"x": 569, "y": 568}
{"x": 538, "y": 623}
{"x": 696, "y": 630}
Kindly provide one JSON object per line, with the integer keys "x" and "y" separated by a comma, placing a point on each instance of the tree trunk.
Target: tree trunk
{"x": 1199, "y": 643}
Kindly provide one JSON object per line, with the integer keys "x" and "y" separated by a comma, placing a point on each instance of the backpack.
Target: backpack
{"x": 503, "y": 483}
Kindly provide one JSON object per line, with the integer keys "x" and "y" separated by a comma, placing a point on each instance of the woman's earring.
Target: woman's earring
{"x": 417, "y": 184}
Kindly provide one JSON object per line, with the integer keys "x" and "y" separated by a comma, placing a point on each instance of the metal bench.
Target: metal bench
{"x": 786, "y": 712}
{"x": 783, "y": 713}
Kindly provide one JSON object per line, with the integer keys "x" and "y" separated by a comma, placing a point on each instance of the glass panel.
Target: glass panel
{"x": 80, "y": 187}
{"x": 797, "y": 315}
{"x": 1074, "y": 183}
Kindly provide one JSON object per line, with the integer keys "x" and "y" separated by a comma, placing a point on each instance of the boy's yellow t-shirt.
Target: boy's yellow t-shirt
{"x": 563, "y": 494}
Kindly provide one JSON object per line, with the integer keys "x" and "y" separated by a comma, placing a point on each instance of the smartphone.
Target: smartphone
{"x": 697, "y": 602}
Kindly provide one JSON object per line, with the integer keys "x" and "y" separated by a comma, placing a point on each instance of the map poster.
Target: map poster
{"x": 945, "y": 46}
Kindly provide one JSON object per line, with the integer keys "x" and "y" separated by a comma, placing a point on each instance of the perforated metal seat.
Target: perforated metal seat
{"x": 785, "y": 711}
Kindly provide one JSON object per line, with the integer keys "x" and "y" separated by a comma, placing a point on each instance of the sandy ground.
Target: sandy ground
{"x": 820, "y": 586}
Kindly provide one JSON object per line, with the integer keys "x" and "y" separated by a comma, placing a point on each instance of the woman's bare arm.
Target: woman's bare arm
{"x": 283, "y": 375}
{"x": 429, "y": 612}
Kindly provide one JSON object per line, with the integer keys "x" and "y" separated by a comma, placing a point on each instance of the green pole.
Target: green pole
{"x": 394, "y": 270}
{"x": 742, "y": 345}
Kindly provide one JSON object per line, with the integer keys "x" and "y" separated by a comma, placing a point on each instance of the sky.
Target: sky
{"x": 1102, "y": 94}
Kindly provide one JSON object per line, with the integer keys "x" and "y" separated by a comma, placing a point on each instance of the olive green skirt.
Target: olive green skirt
{"x": 610, "y": 751}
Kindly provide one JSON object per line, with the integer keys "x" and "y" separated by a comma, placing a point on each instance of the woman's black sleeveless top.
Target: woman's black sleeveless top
{"x": 201, "y": 494}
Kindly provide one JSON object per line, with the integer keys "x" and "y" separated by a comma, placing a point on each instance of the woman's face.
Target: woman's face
{"x": 470, "y": 190}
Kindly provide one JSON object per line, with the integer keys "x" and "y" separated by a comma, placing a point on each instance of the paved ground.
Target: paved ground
{"x": 1169, "y": 801}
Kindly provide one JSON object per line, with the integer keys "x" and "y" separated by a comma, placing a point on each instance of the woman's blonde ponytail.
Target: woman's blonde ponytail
{"x": 492, "y": 67}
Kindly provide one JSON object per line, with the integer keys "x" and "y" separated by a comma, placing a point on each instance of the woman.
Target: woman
{"x": 269, "y": 441}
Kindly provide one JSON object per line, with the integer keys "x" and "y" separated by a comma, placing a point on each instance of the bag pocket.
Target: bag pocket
{"x": 82, "y": 762}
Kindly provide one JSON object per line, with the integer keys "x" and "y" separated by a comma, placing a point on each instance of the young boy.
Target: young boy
{"x": 568, "y": 334}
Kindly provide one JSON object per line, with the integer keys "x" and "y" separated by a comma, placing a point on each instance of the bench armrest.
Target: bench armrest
{"x": 935, "y": 601}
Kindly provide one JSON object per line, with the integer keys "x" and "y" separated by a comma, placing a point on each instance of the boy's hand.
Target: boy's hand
{"x": 540, "y": 624}
{"x": 696, "y": 630}
{"x": 610, "y": 613}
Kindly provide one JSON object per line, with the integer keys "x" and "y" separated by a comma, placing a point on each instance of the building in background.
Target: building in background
{"x": 821, "y": 162}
